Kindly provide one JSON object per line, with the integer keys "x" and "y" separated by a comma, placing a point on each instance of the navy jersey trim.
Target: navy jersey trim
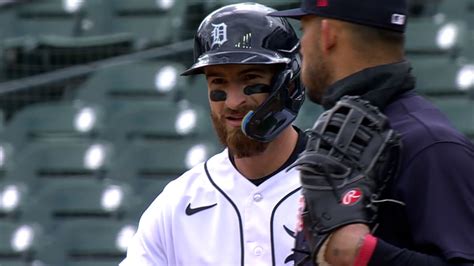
{"x": 272, "y": 238}
{"x": 236, "y": 210}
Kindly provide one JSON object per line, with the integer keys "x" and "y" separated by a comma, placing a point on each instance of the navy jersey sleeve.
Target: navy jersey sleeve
{"x": 437, "y": 187}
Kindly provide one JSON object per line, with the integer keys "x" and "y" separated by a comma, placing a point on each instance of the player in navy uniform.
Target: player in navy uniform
{"x": 239, "y": 207}
{"x": 354, "y": 47}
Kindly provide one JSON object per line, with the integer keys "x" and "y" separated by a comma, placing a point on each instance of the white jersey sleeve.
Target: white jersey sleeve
{"x": 147, "y": 245}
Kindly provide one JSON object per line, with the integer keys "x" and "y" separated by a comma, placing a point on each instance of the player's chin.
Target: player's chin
{"x": 242, "y": 146}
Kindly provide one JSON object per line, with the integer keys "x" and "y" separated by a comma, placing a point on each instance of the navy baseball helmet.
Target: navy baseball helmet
{"x": 244, "y": 34}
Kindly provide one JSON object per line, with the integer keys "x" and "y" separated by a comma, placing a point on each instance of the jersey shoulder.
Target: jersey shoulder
{"x": 191, "y": 183}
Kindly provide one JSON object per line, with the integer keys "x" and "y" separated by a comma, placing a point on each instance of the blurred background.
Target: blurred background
{"x": 95, "y": 119}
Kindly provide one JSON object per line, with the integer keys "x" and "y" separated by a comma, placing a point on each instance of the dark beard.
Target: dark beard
{"x": 317, "y": 80}
{"x": 240, "y": 146}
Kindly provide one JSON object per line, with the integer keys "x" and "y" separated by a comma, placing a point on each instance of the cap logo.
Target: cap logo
{"x": 398, "y": 19}
{"x": 321, "y": 3}
{"x": 351, "y": 197}
{"x": 219, "y": 34}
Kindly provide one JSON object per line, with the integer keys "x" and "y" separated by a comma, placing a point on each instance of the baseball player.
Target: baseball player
{"x": 425, "y": 214}
{"x": 239, "y": 207}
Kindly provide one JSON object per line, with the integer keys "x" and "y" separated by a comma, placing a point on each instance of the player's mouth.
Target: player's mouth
{"x": 234, "y": 120}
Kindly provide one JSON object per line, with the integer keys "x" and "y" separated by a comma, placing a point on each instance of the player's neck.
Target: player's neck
{"x": 276, "y": 154}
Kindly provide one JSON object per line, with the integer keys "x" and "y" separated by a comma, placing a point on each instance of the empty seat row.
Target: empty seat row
{"x": 65, "y": 199}
{"x": 80, "y": 242}
{"x": 155, "y": 22}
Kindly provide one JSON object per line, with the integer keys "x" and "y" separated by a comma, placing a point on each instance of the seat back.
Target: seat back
{"x": 68, "y": 200}
{"x": 152, "y": 22}
{"x": 145, "y": 162}
{"x": 88, "y": 241}
{"x": 64, "y": 121}
{"x": 143, "y": 81}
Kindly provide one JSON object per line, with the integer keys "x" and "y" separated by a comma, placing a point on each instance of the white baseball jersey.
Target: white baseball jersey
{"x": 212, "y": 215}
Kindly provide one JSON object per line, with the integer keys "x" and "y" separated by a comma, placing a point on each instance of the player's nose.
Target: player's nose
{"x": 235, "y": 96}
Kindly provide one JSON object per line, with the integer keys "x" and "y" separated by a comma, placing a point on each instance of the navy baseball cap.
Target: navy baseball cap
{"x": 385, "y": 14}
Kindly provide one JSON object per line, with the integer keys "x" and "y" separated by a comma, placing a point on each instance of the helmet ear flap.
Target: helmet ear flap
{"x": 295, "y": 86}
{"x": 279, "y": 110}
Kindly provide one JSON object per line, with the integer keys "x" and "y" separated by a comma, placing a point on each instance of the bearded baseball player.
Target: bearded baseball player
{"x": 240, "y": 206}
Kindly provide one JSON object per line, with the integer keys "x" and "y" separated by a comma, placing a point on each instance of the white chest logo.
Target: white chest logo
{"x": 219, "y": 34}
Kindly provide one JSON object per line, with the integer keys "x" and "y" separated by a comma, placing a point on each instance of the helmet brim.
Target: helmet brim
{"x": 261, "y": 57}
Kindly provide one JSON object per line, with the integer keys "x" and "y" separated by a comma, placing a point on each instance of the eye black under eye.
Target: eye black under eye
{"x": 217, "y": 95}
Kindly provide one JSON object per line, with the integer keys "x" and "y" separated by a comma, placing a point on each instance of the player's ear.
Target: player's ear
{"x": 328, "y": 33}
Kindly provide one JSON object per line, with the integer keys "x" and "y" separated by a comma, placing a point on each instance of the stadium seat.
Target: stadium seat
{"x": 463, "y": 9}
{"x": 152, "y": 22}
{"x": 307, "y": 115}
{"x": 155, "y": 121}
{"x": 440, "y": 75}
{"x": 148, "y": 194}
{"x": 428, "y": 36}
{"x": 55, "y": 121}
{"x": 197, "y": 93}
{"x": 143, "y": 163}
{"x": 7, "y": 16}
{"x": 94, "y": 242}
{"x": 460, "y": 110}
{"x": 7, "y": 153}
{"x": 68, "y": 200}
{"x": 277, "y": 4}
{"x": 143, "y": 81}
{"x": 41, "y": 163}
{"x": 56, "y": 17}
{"x": 14, "y": 197}
{"x": 23, "y": 243}
{"x": 422, "y": 8}
{"x": 31, "y": 55}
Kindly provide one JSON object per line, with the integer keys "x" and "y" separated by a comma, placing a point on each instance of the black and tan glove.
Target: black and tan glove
{"x": 351, "y": 154}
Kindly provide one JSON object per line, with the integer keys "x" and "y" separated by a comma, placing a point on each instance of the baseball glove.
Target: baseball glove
{"x": 351, "y": 154}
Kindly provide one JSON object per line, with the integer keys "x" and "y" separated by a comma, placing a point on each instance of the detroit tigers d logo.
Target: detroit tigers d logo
{"x": 219, "y": 34}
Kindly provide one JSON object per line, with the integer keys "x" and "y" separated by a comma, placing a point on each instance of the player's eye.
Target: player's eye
{"x": 217, "y": 95}
{"x": 217, "y": 81}
{"x": 249, "y": 77}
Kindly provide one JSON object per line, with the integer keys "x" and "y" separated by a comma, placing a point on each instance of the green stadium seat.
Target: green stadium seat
{"x": 55, "y": 121}
{"x": 23, "y": 243}
{"x": 68, "y": 200}
{"x": 42, "y": 163}
{"x": 95, "y": 243}
{"x": 26, "y": 56}
{"x": 49, "y": 17}
{"x": 155, "y": 121}
{"x": 144, "y": 81}
{"x": 439, "y": 75}
{"x": 197, "y": 93}
{"x": 152, "y": 22}
{"x": 7, "y": 17}
{"x": 427, "y": 36}
{"x": 422, "y": 8}
{"x": 13, "y": 200}
{"x": 463, "y": 9}
{"x": 7, "y": 154}
{"x": 307, "y": 115}
{"x": 143, "y": 163}
{"x": 147, "y": 195}
{"x": 460, "y": 110}
{"x": 277, "y": 4}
